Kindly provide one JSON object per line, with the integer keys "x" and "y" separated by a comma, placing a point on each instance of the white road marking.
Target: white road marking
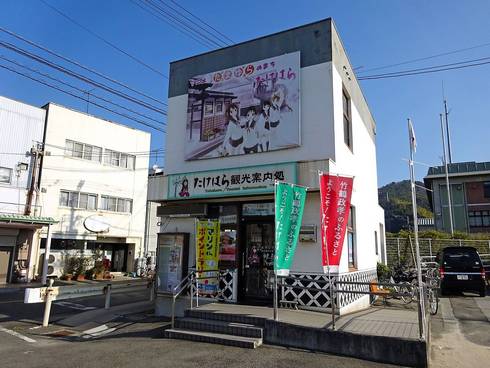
{"x": 16, "y": 334}
{"x": 74, "y": 306}
{"x": 97, "y": 331}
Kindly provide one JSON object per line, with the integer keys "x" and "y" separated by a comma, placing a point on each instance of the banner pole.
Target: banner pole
{"x": 276, "y": 312}
{"x": 330, "y": 286}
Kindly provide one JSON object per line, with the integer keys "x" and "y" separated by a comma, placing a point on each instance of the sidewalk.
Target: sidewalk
{"x": 14, "y": 288}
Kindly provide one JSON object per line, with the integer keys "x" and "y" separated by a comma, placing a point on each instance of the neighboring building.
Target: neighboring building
{"x": 94, "y": 169}
{"x": 283, "y": 107}
{"x": 470, "y": 196}
{"x": 21, "y": 130}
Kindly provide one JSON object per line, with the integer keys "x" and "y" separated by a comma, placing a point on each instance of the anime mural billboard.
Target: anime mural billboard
{"x": 249, "y": 108}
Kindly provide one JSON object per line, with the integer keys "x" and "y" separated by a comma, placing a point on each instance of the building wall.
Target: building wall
{"x": 61, "y": 172}
{"x": 21, "y": 127}
{"x": 360, "y": 162}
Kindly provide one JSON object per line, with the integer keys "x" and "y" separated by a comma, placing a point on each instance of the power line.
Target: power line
{"x": 103, "y": 39}
{"x": 424, "y": 71}
{"x": 21, "y": 38}
{"x": 202, "y": 21}
{"x": 213, "y": 32}
{"x": 62, "y": 69}
{"x": 81, "y": 98}
{"x": 429, "y": 67}
{"x": 427, "y": 57}
{"x": 197, "y": 31}
{"x": 80, "y": 90}
{"x": 157, "y": 15}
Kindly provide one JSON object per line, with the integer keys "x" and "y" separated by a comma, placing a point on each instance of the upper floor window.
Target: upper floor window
{"x": 486, "y": 189}
{"x": 82, "y": 150}
{"x": 119, "y": 159}
{"x": 73, "y": 199}
{"x": 351, "y": 238}
{"x": 114, "y": 204}
{"x": 5, "y": 175}
{"x": 347, "y": 118}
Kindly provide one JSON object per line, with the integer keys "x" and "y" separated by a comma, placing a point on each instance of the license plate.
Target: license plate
{"x": 462, "y": 277}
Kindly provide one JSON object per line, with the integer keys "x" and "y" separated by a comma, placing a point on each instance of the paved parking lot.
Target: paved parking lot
{"x": 461, "y": 332}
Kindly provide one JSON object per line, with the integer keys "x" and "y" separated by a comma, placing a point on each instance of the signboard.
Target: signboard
{"x": 207, "y": 252}
{"x": 245, "y": 109}
{"x": 335, "y": 195}
{"x": 97, "y": 224}
{"x": 227, "y": 247}
{"x": 290, "y": 202}
{"x": 230, "y": 182}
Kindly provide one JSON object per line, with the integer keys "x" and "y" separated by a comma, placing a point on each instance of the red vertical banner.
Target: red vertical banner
{"x": 335, "y": 196}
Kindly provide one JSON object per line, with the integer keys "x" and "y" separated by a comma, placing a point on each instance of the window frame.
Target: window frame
{"x": 486, "y": 189}
{"x": 111, "y": 157}
{"x": 70, "y": 151}
{"x": 347, "y": 118}
{"x": 9, "y": 171}
{"x": 69, "y": 193}
{"x": 127, "y": 204}
{"x": 351, "y": 239}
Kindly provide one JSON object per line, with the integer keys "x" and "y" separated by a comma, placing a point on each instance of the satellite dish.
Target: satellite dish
{"x": 97, "y": 224}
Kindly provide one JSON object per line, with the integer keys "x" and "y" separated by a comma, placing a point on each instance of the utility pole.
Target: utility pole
{"x": 449, "y": 202}
{"x": 448, "y": 133}
{"x": 36, "y": 152}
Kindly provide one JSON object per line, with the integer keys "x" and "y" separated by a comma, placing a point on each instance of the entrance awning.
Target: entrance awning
{"x": 28, "y": 221}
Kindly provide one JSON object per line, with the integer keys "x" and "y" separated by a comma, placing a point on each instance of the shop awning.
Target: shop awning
{"x": 24, "y": 219}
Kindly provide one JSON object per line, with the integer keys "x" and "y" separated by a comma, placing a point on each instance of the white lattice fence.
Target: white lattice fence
{"x": 320, "y": 297}
{"x": 343, "y": 297}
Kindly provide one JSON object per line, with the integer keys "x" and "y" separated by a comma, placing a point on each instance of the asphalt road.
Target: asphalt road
{"x": 461, "y": 332}
{"x": 139, "y": 343}
{"x": 460, "y": 338}
{"x": 134, "y": 341}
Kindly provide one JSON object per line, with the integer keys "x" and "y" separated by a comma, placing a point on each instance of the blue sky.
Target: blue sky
{"x": 375, "y": 33}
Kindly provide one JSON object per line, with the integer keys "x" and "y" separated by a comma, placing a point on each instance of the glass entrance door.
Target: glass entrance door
{"x": 258, "y": 261}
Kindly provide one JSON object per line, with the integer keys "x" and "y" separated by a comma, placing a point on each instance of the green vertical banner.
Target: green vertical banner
{"x": 289, "y": 205}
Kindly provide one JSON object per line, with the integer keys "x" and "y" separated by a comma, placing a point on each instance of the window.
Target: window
{"x": 486, "y": 189}
{"x": 78, "y": 200}
{"x": 219, "y": 106}
{"x": 5, "y": 175}
{"x": 347, "y": 119}
{"x": 351, "y": 238}
{"x": 479, "y": 218}
{"x": 115, "y": 204}
{"x": 376, "y": 242}
{"x": 119, "y": 159}
{"x": 82, "y": 150}
{"x": 208, "y": 108}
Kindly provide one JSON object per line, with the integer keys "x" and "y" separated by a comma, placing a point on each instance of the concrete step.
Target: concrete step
{"x": 223, "y": 327}
{"x": 214, "y": 338}
{"x": 225, "y": 317}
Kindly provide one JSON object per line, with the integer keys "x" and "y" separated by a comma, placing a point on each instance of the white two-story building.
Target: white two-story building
{"x": 94, "y": 174}
{"x": 280, "y": 107}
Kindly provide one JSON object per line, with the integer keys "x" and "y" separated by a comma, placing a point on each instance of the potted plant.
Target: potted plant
{"x": 81, "y": 266}
{"x": 69, "y": 267}
{"x": 99, "y": 267}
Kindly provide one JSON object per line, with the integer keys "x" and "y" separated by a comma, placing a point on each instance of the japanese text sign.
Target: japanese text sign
{"x": 207, "y": 254}
{"x": 290, "y": 202}
{"x": 229, "y": 182}
{"x": 335, "y": 196}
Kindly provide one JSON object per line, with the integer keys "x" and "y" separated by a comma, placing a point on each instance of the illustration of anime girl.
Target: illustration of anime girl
{"x": 263, "y": 126}
{"x": 234, "y": 133}
{"x": 278, "y": 104}
{"x": 250, "y": 132}
{"x": 184, "y": 190}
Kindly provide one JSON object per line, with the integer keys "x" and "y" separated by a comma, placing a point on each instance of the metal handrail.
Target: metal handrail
{"x": 185, "y": 283}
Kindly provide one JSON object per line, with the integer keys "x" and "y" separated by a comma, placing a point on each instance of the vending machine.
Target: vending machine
{"x": 172, "y": 258}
